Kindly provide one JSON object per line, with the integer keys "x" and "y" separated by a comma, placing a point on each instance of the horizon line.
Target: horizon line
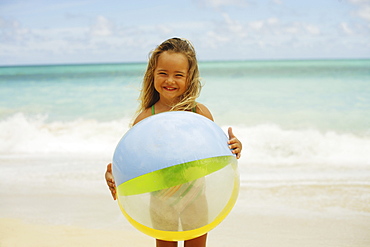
{"x": 199, "y": 61}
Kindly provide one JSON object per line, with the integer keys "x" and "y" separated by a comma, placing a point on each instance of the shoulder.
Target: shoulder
{"x": 144, "y": 114}
{"x": 204, "y": 111}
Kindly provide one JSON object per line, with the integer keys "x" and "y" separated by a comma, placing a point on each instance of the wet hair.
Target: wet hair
{"x": 149, "y": 96}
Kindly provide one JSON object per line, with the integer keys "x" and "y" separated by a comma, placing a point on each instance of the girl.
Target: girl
{"x": 171, "y": 83}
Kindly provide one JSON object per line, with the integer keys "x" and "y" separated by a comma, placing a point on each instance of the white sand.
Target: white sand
{"x": 16, "y": 233}
{"x": 329, "y": 215}
{"x": 248, "y": 230}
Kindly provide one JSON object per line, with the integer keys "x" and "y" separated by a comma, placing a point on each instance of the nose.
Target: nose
{"x": 169, "y": 79}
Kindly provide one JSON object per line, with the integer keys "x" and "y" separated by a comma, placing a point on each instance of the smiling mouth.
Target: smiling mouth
{"x": 170, "y": 88}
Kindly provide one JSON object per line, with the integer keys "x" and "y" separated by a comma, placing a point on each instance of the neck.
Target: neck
{"x": 167, "y": 103}
{"x": 163, "y": 105}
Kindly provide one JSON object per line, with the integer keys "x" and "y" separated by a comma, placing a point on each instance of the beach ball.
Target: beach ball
{"x": 176, "y": 177}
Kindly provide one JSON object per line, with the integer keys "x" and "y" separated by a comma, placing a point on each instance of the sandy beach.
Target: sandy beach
{"x": 255, "y": 231}
{"x": 17, "y": 233}
{"x": 306, "y": 210}
{"x": 97, "y": 221}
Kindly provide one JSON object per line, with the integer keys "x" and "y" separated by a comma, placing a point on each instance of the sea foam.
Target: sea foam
{"x": 264, "y": 144}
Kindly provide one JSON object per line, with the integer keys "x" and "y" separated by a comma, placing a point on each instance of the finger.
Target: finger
{"x": 234, "y": 144}
{"x": 113, "y": 192}
{"x": 232, "y": 140}
{"x": 111, "y": 182}
{"x": 109, "y": 177}
{"x": 108, "y": 174}
{"x": 109, "y": 167}
{"x": 235, "y": 150}
{"x": 230, "y": 132}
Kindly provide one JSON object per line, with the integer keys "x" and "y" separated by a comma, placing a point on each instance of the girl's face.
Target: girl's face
{"x": 170, "y": 76}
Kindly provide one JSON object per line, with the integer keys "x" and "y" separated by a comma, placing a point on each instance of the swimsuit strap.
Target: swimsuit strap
{"x": 194, "y": 109}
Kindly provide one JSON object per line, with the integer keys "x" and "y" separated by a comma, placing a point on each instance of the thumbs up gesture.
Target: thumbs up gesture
{"x": 234, "y": 144}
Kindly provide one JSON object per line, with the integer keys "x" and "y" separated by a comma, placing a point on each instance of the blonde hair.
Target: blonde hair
{"x": 149, "y": 96}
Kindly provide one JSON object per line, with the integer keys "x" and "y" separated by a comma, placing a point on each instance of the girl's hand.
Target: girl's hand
{"x": 234, "y": 144}
{"x": 110, "y": 181}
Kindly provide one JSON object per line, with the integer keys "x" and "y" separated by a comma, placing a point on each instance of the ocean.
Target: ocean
{"x": 304, "y": 125}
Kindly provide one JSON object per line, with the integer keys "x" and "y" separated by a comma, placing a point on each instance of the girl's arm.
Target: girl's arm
{"x": 203, "y": 110}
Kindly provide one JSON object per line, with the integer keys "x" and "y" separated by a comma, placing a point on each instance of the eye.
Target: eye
{"x": 179, "y": 75}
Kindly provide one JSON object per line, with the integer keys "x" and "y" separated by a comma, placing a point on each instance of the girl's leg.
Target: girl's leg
{"x": 195, "y": 215}
{"x": 162, "y": 243}
{"x": 196, "y": 242}
{"x": 164, "y": 217}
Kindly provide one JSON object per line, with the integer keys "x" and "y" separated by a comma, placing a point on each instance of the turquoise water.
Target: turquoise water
{"x": 102, "y": 92}
{"x": 323, "y": 94}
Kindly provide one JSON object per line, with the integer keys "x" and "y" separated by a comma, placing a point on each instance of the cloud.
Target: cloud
{"x": 11, "y": 31}
{"x": 233, "y": 25}
{"x": 44, "y": 45}
{"x": 363, "y": 10}
{"x": 360, "y": 1}
{"x": 256, "y": 25}
{"x": 278, "y": 2}
{"x": 346, "y": 29}
{"x": 102, "y": 27}
{"x": 223, "y": 32}
{"x": 265, "y": 28}
{"x": 222, "y": 3}
{"x": 312, "y": 29}
{"x": 102, "y": 40}
{"x": 272, "y": 20}
{"x": 269, "y": 37}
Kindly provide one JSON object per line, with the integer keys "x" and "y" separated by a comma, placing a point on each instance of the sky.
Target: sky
{"x": 115, "y": 31}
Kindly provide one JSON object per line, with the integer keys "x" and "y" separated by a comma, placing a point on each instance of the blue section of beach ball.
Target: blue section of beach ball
{"x": 165, "y": 140}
